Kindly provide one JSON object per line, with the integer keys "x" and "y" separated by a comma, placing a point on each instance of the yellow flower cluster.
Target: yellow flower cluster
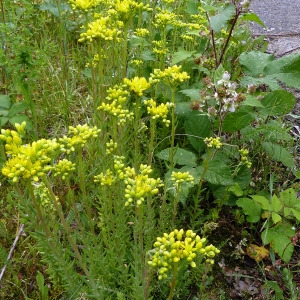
{"x": 160, "y": 111}
{"x": 63, "y": 168}
{"x": 125, "y": 8}
{"x": 139, "y": 186}
{"x": 118, "y": 96}
{"x": 179, "y": 177}
{"x": 105, "y": 179}
{"x": 164, "y": 18}
{"x": 30, "y": 161}
{"x": 42, "y": 194}
{"x": 111, "y": 146}
{"x": 213, "y": 142}
{"x": 78, "y": 136}
{"x": 171, "y": 76}
{"x": 84, "y": 5}
{"x": 141, "y": 32}
{"x": 103, "y": 28}
{"x": 179, "y": 245}
{"x": 244, "y": 157}
{"x": 160, "y": 48}
{"x": 137, "y": 85}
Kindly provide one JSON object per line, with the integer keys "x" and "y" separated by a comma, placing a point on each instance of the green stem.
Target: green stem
{"x": 68, "y": 234}
{"x": 151, "y": 143}
{"x": 87, "y": 203}
{"x": 136, "y": 132}
{"x": 176, "y": 200}
{"x": 173, "y": 282}
{"x": 173, "y": 129}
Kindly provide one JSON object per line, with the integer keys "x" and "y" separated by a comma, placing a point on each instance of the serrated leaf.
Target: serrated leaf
{"x": 17, "y": 108}
{"x": 296, "y": 213}
{"x": 253, "y": 18}
{"x": 218, "y": 21}
{"x": 254, "y": 62}
{"x": 250, "y": 208}
{"x": 193, "y": 94}
{"x": 262, "y": 201}
{"x": 262, "y": 68}
{"x": 279, "y": 153}
{"x": 5, "y": 101}
{"x": 277, "y": 103}
{"x": 289, "y": 197}
{"x": 3, "y": 121}
{"x": 276, "y": 205}
{"x": 184, "y": 186}
{"x": 243, "y": 177}
{"x": 181, "y": 156}
{"x": 280, "y": 239}
{"x": 197, "y": 127}
{"x": 236, "y": 190}
{"x": 275, "y": 217}
{"x": 286, "y": 70}
{"x": 252, "y": 101}
{"x": 217, "y": 173}
{"x": 181, "y": 55}
{"x": 19, "y": 119}
{"x": 238, "y": 120}
{"x": 147, "y": 55}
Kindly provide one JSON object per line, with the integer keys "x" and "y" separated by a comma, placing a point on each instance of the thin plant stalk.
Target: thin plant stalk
{"x": 173, "y": 282}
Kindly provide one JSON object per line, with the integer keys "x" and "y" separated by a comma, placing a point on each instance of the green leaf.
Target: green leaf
{"x": 237, "y": 120}
{"x": 254, "y": 62}
{"x": 263, "y": 69}
{"x": 243, "y": 177}
{"x": 181, "y": 156}
{"x": 280, "y": 239}
{"x": 252, "y": 101}
{"x": 19, "y": 119}
{"x": 289, "y": 197}
{"x": 253, "y": 18}
{"x": 250, "y": 208}
{"x": 262, "y": 201}
{"x": 218, "y": 21}
{"x": 276, "y": 204}
{"x": 217, "y": 173}
{"x": 193, "y": 94}
{"x": 3, "y": 121}
{"x": 5, "y": 101}
{"x": 197, "y": 127}
{"x": 184, "y": 188}
{"x": 183, "y": 109}
{"x": 277, "y": 103}
{"x": 236, "y": 190}
{"x": 17, "y": 108}
{"x": 279, "y": 153}
{"x": 275, "y": 217}
{"x": 147, "y": 55}
{"x": 286, "y": 70}
{"x": 181, "y": 55}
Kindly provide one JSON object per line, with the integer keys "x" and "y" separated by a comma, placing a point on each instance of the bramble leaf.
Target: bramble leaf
{"x": 250, "y": 208}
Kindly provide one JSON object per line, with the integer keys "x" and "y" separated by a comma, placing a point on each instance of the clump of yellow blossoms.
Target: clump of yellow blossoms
{"x": 213, "y": 142}
{"x": 176, "y": 246}
{"x": 139, "y": 186}
{"x": 179, "y": 177}
{"x": 103, "y": 28}
{"x": 84, "y": 5}
{"x": 118, "y": 96}
{"x": 164, "y": 18}
{"x": 111, "y": 146}
{"x": 160, "y": 111}
{"x": 63, "y": 168}
{"x": 77, "y": 137}
{"x": 31, "y": 161}
{"x": 137, "y": 85}
{"x": 171, "y": 76}
{"x": 244, "y": 157}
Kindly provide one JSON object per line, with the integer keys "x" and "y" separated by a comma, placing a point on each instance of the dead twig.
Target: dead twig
{"x": 12, "y": 249}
